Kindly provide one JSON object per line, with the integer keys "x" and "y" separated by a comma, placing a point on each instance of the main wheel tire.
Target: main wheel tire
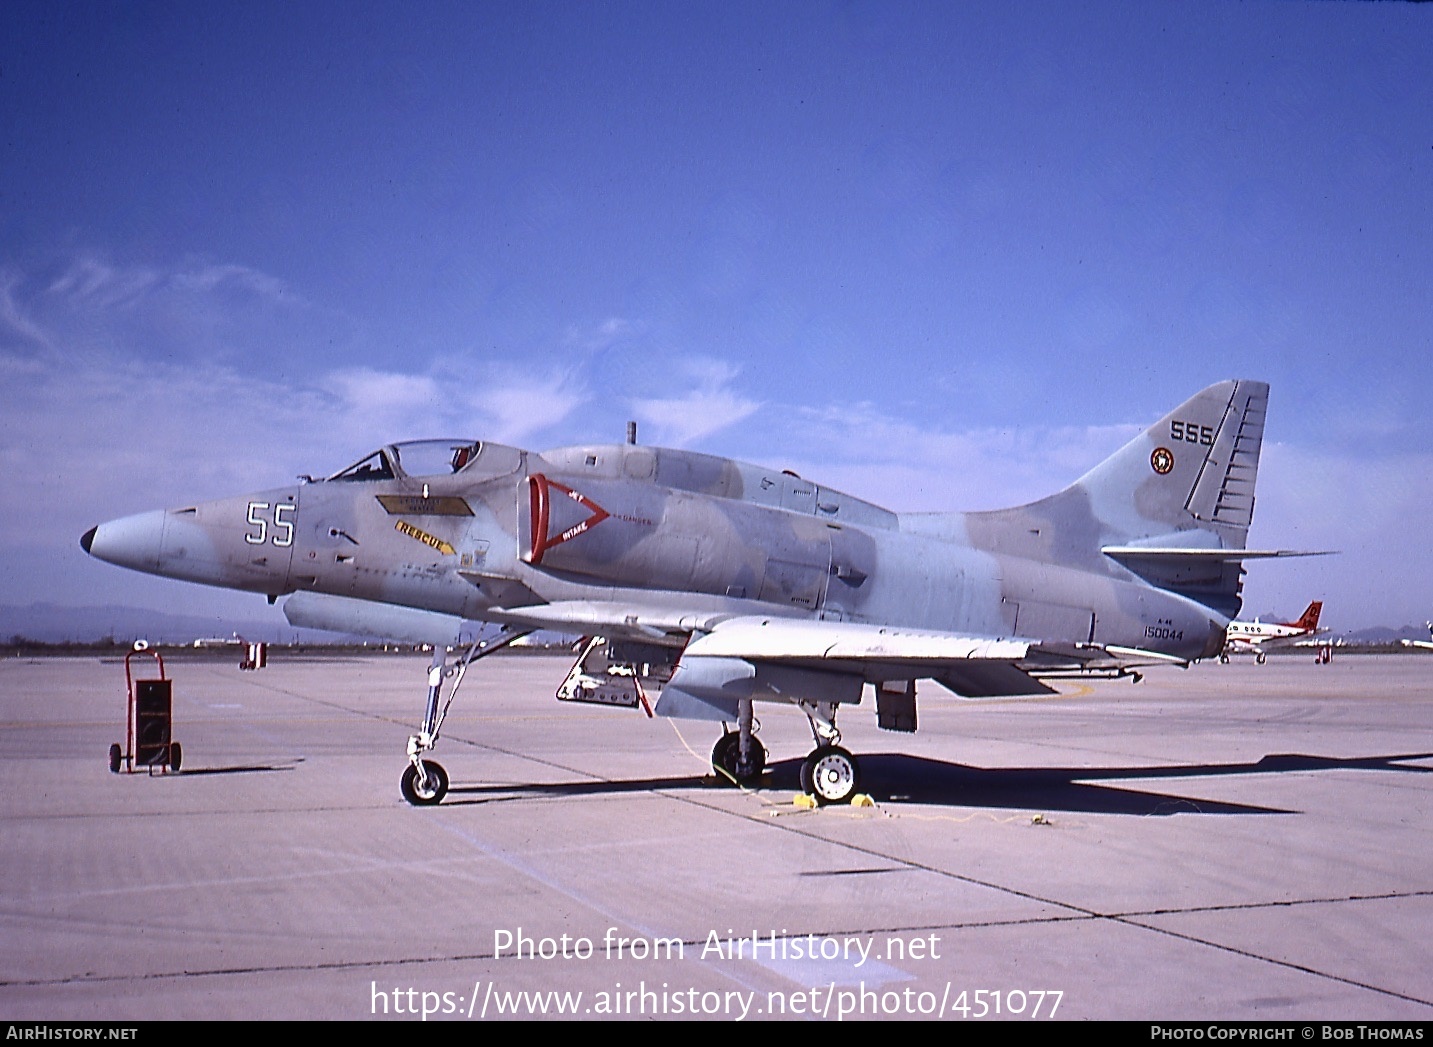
{"x": 726, "y": 759}
{"x": 1261, "y": 657}
{"x": 831, "y": 774}
{"x": 115, "y": 756}
{"x": 176, "y": 756}
{"x": 429, "y": 792}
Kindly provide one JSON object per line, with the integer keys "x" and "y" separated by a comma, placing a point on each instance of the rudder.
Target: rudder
{"x": 1309, "y": 620}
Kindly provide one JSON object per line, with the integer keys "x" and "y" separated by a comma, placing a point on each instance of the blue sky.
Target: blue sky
{"x": 944, "y": 256}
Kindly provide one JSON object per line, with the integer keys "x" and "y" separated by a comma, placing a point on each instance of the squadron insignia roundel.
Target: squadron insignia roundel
{"x": 1162, "y": 461}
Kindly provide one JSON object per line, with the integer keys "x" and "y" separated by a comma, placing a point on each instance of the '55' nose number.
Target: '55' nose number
{"x": 283, "y": 529}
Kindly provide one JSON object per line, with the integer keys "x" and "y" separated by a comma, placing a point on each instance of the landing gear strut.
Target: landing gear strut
{"x": 738, "y": 757}
{"x": 424, "y": 781}
{"x": 830, "y": 773}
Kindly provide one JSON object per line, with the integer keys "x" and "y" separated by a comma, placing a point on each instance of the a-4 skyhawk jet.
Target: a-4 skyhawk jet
{"x": 722, "y": 583}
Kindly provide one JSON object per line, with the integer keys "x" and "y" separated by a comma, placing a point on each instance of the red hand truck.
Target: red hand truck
{"x": 148, "y": 741}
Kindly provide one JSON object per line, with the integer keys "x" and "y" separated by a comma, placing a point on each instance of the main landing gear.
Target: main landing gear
{"x": 738, "y": 757}
{"x": 424, "y": 781}
{"x": 830, "y": 774}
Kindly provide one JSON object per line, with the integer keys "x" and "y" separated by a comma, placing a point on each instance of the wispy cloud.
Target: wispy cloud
{"x": 236, "y": 277}
{"x": 709, "y": 405}
{"x": 93, "y": 282}
{"x": 196, "y": 310}
{"x": 513, "y": 405}
{"x": 16, "y": 327}
{"x": 94, "y": 424}
{"x": 920, "y": 467}
{"x": 452, "y": 397}
{"x": 602, "y": 334}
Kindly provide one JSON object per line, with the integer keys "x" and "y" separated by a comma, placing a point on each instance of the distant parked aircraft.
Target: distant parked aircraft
{"x": 1257, "y": 637}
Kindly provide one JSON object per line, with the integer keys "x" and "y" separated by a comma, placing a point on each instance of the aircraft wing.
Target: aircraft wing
{"x": 729, "y": 657}
{"x": 778, "y": 659}
{"x": 782, "y": 658}
{"x": 888, "y": 652}
{"x": 837, "y": 643}
{"x": 1154, "y": 552}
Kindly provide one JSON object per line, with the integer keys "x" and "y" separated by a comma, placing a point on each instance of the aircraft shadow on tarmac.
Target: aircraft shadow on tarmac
{"x": 253, "y": 768}
{"x": 900, "y": 778}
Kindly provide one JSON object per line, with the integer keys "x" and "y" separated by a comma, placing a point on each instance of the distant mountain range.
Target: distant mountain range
{"x": 1384, "y": 635}
{"x": 50, "y": 623}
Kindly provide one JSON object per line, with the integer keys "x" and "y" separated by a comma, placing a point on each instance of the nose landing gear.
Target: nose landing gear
{"x": 425, "y": 782}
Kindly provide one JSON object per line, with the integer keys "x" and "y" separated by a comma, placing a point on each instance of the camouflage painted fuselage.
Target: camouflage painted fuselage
{"x": 685, "y": 539}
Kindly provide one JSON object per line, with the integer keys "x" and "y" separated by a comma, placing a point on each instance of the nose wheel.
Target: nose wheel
{"x": 425, "y": 783}
{"x": 830, "y": 774}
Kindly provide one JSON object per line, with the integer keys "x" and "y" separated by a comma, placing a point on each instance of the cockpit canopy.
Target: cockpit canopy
{"x": 415, "y": 458}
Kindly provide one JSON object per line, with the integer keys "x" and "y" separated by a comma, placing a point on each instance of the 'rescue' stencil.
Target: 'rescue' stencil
{"x": 404, "y": 527}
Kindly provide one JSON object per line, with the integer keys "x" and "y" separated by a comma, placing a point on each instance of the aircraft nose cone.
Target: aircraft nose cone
{"x": 132, "y": 541}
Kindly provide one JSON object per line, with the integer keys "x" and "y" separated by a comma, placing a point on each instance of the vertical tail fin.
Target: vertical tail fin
{"x": 1187, "y": 483}
{"x": 1183, "y": 489}
{"x": 1187, "y": 480}
{"x": 1309, "y": 620}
